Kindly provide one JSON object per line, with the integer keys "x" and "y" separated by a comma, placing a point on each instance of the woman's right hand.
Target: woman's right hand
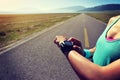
{"x": 77, "y": 46}
{"x": 75, "y": 41}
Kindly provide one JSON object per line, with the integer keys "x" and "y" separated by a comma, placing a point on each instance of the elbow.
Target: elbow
{"x": 97, "y": 75}
{"x": 100, "y": 74}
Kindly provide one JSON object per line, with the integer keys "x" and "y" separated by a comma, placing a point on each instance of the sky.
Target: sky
{"x": 14, "y": 5}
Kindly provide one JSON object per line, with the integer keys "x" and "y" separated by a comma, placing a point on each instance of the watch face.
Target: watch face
{"x": 66, "y": 46}
{"x": 68, "y": 43}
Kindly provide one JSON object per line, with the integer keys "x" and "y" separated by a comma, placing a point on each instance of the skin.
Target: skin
{"x": 85, "y": 68}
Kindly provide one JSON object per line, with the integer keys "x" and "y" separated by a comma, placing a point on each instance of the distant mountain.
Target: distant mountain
{"x": 106, "y": 7}
{"x": 72, "y": 9}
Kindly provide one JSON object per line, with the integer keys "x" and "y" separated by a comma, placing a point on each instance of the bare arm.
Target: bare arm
{"x": 112, "y": 71}
{"x": 83, "y": 66}
{"x": 91, "y": 71}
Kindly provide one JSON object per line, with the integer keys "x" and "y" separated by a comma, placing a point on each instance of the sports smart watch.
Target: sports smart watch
{"x": 66, "y": 46}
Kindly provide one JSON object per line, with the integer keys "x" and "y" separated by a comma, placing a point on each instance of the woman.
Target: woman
{"x": 99, "y": 63}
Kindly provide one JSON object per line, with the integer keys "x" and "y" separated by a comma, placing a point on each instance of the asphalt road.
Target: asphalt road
{"x": 40, "y": 59}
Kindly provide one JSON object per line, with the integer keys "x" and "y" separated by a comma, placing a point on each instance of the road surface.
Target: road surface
{"x": 40, "y": 59}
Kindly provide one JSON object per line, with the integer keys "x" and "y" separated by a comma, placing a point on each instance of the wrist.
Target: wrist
{"x": 73, "y": 53}
{"x": 66, "y": 46}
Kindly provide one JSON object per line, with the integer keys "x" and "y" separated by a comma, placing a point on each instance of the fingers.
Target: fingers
{"x": 78, "y": 49}
{"x": 63, "y": 38}
{"x": 55, "y": 40}
{"x": 59, "y": 39}
{"x": 72, "y": 39}
{"x": 75, "y": 41}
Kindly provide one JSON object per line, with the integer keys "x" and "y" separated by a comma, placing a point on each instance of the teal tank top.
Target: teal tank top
{"x": 106, "y": 51}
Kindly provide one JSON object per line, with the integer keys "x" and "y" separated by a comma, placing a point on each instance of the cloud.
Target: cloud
{"x": 6, "y": 5}
{"x": 12, "y": 5}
